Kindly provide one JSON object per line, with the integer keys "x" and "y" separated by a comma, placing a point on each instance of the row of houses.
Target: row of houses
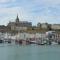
{"x": 25, "y": 36}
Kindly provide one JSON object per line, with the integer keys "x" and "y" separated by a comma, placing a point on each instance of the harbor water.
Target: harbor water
{"x": 29, "y": 52}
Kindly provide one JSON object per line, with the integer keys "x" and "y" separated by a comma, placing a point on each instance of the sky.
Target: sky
{"x": 30, "y": 10}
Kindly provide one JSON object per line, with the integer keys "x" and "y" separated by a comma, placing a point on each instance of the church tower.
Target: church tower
{"x": 17, "y": 19}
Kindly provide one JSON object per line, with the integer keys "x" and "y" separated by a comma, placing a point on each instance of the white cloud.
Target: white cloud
{"x": 12, "y": 10}
{"x": 47, "y": 2}
{"x": 6, "y": 1}
{"x": 49, "y": 19}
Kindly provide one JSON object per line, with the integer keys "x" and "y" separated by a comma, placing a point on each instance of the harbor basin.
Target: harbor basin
{"x": 29, "y": 52}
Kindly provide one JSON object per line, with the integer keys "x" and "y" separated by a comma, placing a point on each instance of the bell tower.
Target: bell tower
{"x": 17, "y": 19}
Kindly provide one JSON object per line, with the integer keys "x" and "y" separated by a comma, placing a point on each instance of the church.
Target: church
{"x": 19, "y": 25}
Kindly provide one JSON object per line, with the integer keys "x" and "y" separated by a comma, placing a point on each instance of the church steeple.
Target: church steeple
{"x": 17, "y": 18}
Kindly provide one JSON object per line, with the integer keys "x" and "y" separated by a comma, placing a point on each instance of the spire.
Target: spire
{"x": 17, "y": 18}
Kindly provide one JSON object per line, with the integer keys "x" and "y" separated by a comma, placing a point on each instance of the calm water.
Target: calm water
{"x": 29, "y": 52}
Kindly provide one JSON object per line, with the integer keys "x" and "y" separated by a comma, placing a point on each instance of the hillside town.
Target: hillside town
{"x": 24, "y": 32}
{"x": 25, "y": 26}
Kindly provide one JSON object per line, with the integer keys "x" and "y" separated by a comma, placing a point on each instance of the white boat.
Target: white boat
{"x": 54, "y": 43}
{"x": 33, "y": 42}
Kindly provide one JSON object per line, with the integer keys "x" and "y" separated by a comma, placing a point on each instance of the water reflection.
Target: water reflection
{"x": 29, "y": 52}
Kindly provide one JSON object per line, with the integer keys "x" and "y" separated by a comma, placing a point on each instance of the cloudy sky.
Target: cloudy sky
{"x": 30, "y": 10}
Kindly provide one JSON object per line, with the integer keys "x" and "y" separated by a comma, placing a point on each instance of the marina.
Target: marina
{"x": 30, "y": 46}
{"x": 25, "y": 46}
{"x": 46, "y": 38}
{"x": 29, "y": 29}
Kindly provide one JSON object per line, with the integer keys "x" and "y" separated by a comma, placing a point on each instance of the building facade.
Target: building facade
{"x": 19, "y": 25}
{"x": 43, "y": 25}
{"x": 55, "y": 26}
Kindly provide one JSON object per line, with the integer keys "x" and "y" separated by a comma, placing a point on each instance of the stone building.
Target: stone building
{"x": 19, "y": 25}
{"x": 55, "y": 26}
{"x": 43, "y": 25}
